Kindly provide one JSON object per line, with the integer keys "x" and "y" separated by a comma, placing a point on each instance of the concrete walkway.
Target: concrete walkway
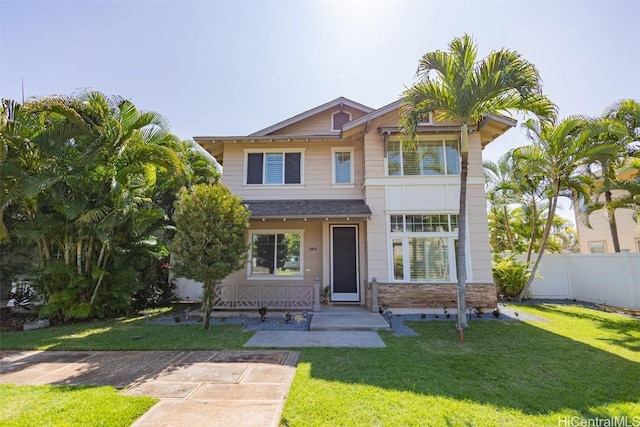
{"x": 297, "y": 339}
{"x": 347, "y": 319}
{"x": 195, "y": 388}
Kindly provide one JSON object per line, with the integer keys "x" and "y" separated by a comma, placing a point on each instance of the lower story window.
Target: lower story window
{"x": 275, "y": 254}
{"x": 423, "y": 256}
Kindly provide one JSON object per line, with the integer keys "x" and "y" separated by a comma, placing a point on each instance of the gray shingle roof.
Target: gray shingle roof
{"x": 307, "y": 208}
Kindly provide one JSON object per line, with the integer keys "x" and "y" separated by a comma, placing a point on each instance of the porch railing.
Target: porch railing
{"x": 232, "y": 296}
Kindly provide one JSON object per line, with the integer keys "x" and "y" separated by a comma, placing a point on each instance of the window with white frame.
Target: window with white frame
{"x": 274, "y": 167}
{"x": 423, "y": 247}
{"x": 342, "y": 166}
{"x": 275, "y": 253}
{"x": 339, "y": 119}
{"x": 598, "y": 247}
{"x": 432, "y": 157}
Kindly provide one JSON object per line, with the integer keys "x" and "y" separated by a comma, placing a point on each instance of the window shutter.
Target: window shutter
{"x": 254, "y": 168}
{"x": 292, "y": 168}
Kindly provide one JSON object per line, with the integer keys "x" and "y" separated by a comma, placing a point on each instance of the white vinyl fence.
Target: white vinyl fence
{"x": 612, "y": 279}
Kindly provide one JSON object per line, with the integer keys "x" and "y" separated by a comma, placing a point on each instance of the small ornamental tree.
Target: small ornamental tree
{"x": 210, "y": 241}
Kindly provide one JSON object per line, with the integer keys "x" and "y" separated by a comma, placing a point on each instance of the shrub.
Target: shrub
{"x": 510, "y": 275}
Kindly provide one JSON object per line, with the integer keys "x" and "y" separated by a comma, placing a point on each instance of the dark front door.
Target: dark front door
{"x": 344, "y": 263}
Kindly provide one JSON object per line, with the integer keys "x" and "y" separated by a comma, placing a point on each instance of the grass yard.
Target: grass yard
{"x": 126, "y": 334}
{"x": 580, "y": 363}
{"x": 22, "y": 406}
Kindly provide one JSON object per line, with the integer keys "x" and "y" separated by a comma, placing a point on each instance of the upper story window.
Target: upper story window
{"x": 434, "y": 157}
{"x": 274, "y": 167}
{"x": 342, "y": 165}
{"x": 339, "y": 119}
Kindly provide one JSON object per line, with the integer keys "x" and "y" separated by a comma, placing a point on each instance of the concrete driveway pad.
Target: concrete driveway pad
{"x": 197, "y": 388}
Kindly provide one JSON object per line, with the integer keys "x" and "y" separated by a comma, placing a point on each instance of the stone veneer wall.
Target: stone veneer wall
{"x": 432, "y": 295}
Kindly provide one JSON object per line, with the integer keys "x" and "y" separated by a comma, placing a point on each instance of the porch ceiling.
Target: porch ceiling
{"x": 277, "y": 209}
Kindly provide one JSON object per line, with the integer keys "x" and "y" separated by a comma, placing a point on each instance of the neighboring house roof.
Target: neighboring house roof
{"x": 307, "y": 208}
{"x": 299, "y": 117}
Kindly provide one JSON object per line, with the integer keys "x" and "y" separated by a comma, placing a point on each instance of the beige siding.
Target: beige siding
{"x": 317, "y": 173}
{"x": 478, "y": 231}
{"x": 319, "y": 124}
{"x": 377, "y": 256}
{"x": 628, "y": 231}
{"x": 311, "y": 252}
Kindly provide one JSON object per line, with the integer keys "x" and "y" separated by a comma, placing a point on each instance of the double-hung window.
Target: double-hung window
{"x": 433, "y": 157}
{"x": 342, "y": 165}
{"x": 275, "y": 253}
{"x": 274, "y": 167}
{"x": 423, "y": 247}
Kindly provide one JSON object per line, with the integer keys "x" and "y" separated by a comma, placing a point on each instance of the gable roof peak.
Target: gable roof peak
{"x": 340, "y": 101}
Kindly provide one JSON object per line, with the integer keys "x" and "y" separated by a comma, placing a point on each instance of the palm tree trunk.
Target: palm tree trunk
{"x": 508, "y": 229}
{"x": 543, "y": 245}
{"x": 613, "y": 227}
{"x": 534, "y": 227}
{"x": 79, "y": 257}
{"x": 461, "y": 261}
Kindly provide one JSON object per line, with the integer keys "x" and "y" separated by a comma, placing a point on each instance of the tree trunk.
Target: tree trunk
{"x": 613, "y": 227}
{"x": 508, "y": 229}
{"x": 207, "y": 301}
{"x": 534, "y": 227}
{"x": 543, "y": 245}
{"x": 461, "y": 261}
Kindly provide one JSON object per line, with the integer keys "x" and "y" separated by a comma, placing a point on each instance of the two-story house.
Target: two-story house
{"x": 339, "y": 202}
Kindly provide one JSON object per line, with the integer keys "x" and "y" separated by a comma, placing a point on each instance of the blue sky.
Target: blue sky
{"x": 233, "y": 67}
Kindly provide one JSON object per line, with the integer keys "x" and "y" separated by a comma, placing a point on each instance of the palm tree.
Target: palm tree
{"x": 559, "y": 153}
{"x": 84, "y": 172}
{"x": 456, "y": 86}
{"x": 620, "y": 123}
{"x": 502, "y": 187}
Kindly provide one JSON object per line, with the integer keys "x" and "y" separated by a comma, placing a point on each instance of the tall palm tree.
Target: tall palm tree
{"x": 620, "y": 125}
{"x": 456, "y": 86}
{"x": 559, "y": 153}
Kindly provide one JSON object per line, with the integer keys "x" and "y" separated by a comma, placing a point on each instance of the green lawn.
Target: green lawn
{"x": 580, "y": 363}
{"x": 126, "y": 334}
{"x": 22, "y": 406}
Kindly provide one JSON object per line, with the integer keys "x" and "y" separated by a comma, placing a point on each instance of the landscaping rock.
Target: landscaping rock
{"x": 36, "y": 324}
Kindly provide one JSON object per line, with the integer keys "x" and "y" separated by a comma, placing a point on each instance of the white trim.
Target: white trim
{"x": 344, "y": 297}
{"x": 247, "y": 151}
{"x": 276, "y": 231}
{"x": 450, "y": 236}
{"x": 332, "y": 129}
{"x": 351, "y": 151}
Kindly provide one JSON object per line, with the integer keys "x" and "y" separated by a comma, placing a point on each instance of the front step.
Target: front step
{"x": 352, "y": 320}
